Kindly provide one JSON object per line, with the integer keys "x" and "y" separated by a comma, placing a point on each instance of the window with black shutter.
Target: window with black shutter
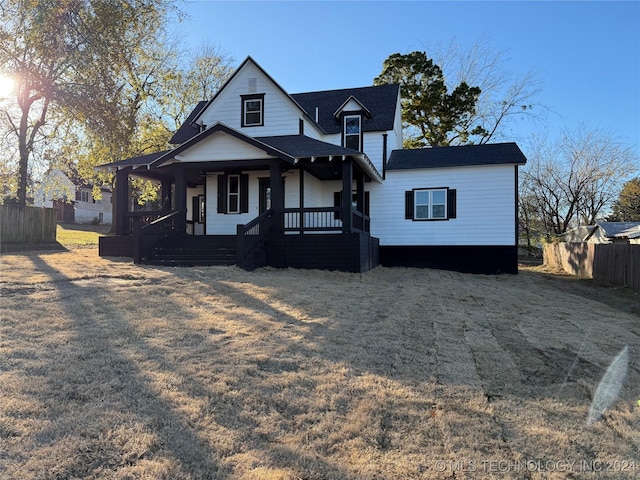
{"x": 233, "y": 193}
{"x": 430, "y": 204}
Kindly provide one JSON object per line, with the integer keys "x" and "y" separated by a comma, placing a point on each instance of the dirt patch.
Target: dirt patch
{"x": 111, "y": 370}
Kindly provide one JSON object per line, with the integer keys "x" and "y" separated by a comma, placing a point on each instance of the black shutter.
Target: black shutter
{"x": 222, "y": 194}
{"x": 451, "y": 203}
{"x": 408, "y": 205}
{"x": 244, "y": 193}
{"x": 337, "y": 202}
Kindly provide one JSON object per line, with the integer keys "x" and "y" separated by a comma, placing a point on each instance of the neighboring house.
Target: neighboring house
{"x": 259, "y": 176}
{"x": 612, "y": 232}
{"x": 72, "y": 200}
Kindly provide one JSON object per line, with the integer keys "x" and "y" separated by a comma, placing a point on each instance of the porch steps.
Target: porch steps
{"x": 192, "y": 250}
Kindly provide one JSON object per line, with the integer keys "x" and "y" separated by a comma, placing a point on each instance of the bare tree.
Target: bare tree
{"x": 504, "y": 95}
{"x": 571, "y": 181}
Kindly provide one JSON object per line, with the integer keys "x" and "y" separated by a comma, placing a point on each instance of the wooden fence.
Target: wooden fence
{"x": 615, "y": 264}
{"x": 27, "y": 224}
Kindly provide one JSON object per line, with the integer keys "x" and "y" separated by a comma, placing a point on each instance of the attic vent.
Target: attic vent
{"x": 253, "y": 85}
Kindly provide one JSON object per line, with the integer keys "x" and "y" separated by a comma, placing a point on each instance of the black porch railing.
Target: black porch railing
{"x": 135, "y": 220}
{"x": 147, "y": 236}
{"x": 321, "y": 219}
{"x": 251, "y": 236}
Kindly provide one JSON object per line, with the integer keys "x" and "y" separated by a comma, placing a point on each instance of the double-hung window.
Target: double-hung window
{"x": 430, "y": 204}
{"x": 253, "y": 110}
{"x": 233, "y": 194}
{"x": 352, "y": 132}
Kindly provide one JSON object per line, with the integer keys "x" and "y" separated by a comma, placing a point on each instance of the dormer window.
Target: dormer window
{"x": 253, "y": 110}
{"x": 352, "y": 132}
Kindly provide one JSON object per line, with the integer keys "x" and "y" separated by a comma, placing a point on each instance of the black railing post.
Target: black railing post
{"x": 137, "y": 247}
{"x": 240, "y": 245}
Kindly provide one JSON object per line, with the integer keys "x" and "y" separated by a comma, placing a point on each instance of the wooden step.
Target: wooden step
{"x": 195, "y": 250}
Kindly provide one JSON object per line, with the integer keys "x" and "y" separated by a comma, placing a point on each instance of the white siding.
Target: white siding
{"x": 395, "y": 137}
{"x": 198, "y": 228}
{"x": 221, "y": 146}
{"x": 312, "y": 191}
{"x": 225, "y": 223}
{"x": 485, "y": 207}
{"x": 373, "y": 147}
{"x": 94, "y": 209}
{"x": 292, "y": 189}
{"x": 281, "y": 115}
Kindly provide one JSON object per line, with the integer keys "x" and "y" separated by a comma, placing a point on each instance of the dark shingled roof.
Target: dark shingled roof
{"x": 461, "y": 156}
{"x": 136, "y": 161}
{"x": 379, "y": 100}
{"x": 300, "y": 146}
{"x": 187, "y": 130}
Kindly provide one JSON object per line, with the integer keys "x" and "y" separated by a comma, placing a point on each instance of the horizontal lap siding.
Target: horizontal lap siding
{"x": 372, "y": 144}
{"x": 225, "y": 223}
{"x": 485, "y": 207}
{"x": 312, "y": 191}
{"x": 221, "y": 146}
{"x": 281, "y": 116}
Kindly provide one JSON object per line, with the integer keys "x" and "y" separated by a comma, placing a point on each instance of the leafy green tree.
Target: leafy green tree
{"x": 432, "y": 115}
{"x": 65, "y": 56}
{"x": 627, "y": 207}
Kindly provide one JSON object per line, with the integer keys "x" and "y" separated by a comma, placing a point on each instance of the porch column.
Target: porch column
{"x": 180, "y": 180}
{"x": 165, "y": 194}
{"x": 347, "y": 182}
{"x": 360, "y": 190}
{"x": 277, "y": 195}
{"x": 121, "y": 200}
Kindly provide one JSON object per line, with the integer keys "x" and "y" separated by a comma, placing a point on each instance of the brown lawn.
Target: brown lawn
{"x": 114, "y": 371}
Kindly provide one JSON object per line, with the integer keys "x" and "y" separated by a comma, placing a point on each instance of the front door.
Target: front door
{"x": 264, "y": 201}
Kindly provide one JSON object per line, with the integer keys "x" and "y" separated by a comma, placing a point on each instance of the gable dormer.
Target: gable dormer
{"x": 351, "y": 115}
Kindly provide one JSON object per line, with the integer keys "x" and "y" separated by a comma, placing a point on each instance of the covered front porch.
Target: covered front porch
{"x": 282, "y": 211}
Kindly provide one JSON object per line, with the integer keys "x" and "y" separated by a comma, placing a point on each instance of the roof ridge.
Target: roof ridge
{"x": 345, "y": 89}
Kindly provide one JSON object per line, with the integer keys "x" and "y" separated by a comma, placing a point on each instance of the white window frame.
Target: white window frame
{"x": 231, "y": 194}
{"x": 84, "y": 196}
{"x": 358, "y": 135}
{"x": 430, "y": 205}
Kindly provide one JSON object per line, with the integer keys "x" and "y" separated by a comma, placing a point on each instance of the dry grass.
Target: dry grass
{"x": 115, "y": 371}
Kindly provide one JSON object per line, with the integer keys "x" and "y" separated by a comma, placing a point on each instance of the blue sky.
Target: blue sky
{"x": 585, "y": 54}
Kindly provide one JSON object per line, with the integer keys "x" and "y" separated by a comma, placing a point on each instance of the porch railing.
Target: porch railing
{"x": 251, "y": 236}
{"x": 321, "y": 219}
{"x": 135, "y": 220}
{"x": 147, "y": 236}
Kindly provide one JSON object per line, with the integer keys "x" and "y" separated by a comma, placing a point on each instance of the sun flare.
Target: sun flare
{"x": 6, "y": 86}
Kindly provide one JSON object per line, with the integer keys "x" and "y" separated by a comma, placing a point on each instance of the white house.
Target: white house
{"x": 258, "y": 176}
{"x": 73, "y": 201}
{"x": 605, "y": 232}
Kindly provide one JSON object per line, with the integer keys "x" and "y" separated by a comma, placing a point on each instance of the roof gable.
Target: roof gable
{"x": 250, "y": 63}
{"x": 195, "y": 144}
{"x": 461, "y": 156}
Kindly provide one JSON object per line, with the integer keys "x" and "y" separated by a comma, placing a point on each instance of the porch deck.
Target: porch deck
{"x": 297, "y": 238}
